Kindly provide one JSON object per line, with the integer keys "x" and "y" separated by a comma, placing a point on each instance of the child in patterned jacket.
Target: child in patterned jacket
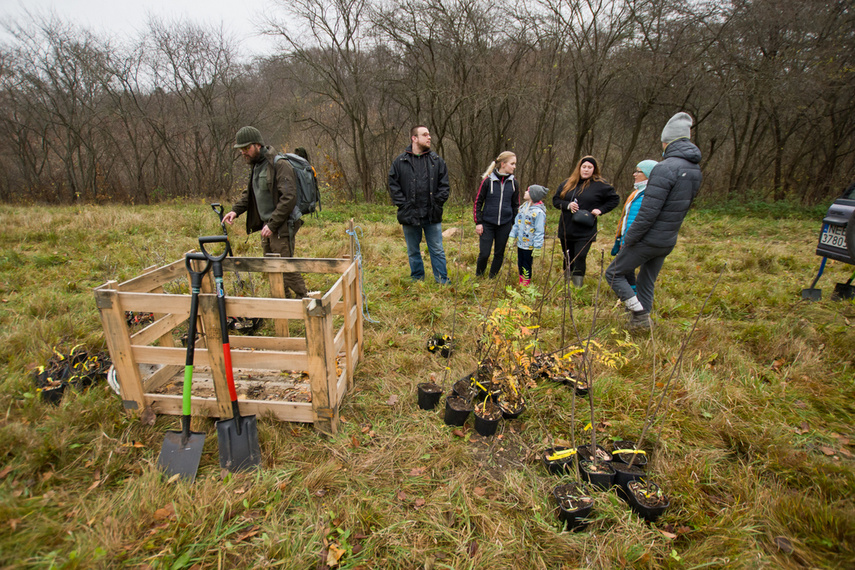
{"x": 529, "y": 229}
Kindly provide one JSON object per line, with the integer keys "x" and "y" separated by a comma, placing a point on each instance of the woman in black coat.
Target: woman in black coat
{"x": 582, "y": 199}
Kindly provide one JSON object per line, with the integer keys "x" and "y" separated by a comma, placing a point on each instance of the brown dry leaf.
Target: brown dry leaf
{"x": 6, "y": 470}
{"x": 46, "y": 476}
{"x": 668, "y": 535}
{"x": 148, "y": 417}
{"x": 133, "y": 444}
{"x": 458, "y": 433}
{"x": 473, "y": 549}
{"x": 842, "y": 439}
{"x": 240, "y": 491}
{"x": 420, "y": 502}
{"x": 372, "y": 434}
{"x": 776, "y": 365}
{"x": 417, "y": 471}
{"x": 366, "y": 428}
{"x": 480, "y": 491}
{"x": 14, "y": 524}
{"x": 354, "y": 442}
{"x": 334, "y": 555}
{"x": 393, "y": 399}
{"x": 784, "y": 544}
{"x": 845, "y": 453}
{"x": 249, "y": 533}
{"x": 827, "y": 450}
{"x": 164, "y": 513}
{"x": 402, "y": 496}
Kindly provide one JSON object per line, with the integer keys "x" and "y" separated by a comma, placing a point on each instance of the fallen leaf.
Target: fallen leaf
{"x": 354, "y": 442}
{"x": 473, "y": 549}
{"x": 783, "y": 544}
{"x": 393, "y": 399}
{"x": 6, "y": 470}
{"x": 480, "y": 491}
{"x": 240, "y": 491}
{"x": 334, "y": 555}
{"x": 366, "y": 428}
{"x": 458, "y": 433}
{"x": 252, "y": 531}
{"x": 46, "y": 476}
{"x": 283, "y": 486}
{"x": 164, "y": 513}
{"x": 148, "y": 417}
{"x": 668, "y": 535}
{"x": 402, "y": 496}
{"x": 14, "y": 524}
{"x": 827, "y": 450}
{"x": 417, "y": 471}
{"x": 420, "y": 502}
{"x": 845, "y": 453}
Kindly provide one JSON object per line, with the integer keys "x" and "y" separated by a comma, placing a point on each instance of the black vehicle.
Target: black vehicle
{"x": 837, "y": 241}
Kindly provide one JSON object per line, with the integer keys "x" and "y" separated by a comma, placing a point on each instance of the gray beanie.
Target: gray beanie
{"x": 537, "y": 192}
{"x": 247, "y": 136}
{"x": 678, "y": 127}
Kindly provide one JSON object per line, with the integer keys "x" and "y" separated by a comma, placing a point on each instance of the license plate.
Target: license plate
{"x": 834, "y": 236}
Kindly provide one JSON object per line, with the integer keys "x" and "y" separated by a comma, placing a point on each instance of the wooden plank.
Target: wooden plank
{"x": 216, "y": 361}
{"x": 235, "y": 306}
{"x": 285, "y": 265}
{"x": 357, "y": 284}
{"x": 158, "y": 330}
{"x": 260, "y": 359}
{"x": 160, "y": 302}
{"x": 289, "y": 344}
{"x": 277, "y": 289}
{"x": 156, "y": 278}
{"x": 349, "y": 332}
{"x": 119, "y": 344}
{"x": 338, "y": 340}
{"x": 321, "y": 360}
{"x": 208, "y": 407}
{"x": 161, "y": 377}
{"x": 341, "y": 387}
{"x": 165, "y": 339}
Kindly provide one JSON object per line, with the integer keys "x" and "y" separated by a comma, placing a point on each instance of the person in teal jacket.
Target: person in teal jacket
{"x": 631, "y": 207}
{"x": 529, "y": 229}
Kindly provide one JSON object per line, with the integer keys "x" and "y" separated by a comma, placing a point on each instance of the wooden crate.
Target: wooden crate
{"x": 317, "y": 353}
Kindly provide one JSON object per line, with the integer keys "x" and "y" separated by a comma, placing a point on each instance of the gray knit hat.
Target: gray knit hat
{"x": 537, "y": 192}
{"x": 247, "y": 136}
{"x": 678, "y": 127}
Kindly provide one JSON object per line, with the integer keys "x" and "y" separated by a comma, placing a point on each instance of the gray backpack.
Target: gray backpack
{"x": 308, "y": 194}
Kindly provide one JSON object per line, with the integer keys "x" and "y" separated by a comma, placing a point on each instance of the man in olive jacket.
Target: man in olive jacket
{"x": 269, "y": 201}
{"x": 418, "y": 186}
{"x": 671, "y": 188}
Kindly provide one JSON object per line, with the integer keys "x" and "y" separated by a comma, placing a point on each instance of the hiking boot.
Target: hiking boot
{"x": 577, "y": 280}
{"x": 640, "y": 320}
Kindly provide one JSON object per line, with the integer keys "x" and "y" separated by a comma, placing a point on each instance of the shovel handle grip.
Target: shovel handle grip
{"x": 215, "y": 239}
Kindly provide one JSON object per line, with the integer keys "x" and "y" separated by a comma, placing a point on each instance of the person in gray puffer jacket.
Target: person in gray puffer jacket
{"x": 671, "y": 188}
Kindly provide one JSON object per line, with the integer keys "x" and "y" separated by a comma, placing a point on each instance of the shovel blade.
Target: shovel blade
{"x": 238, "y": 451}
{"x": 812, "y": 294}
{"x": 179, "y": 456}
{"x": 843, "y": 291}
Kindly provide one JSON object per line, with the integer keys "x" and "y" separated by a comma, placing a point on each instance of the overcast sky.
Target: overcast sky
{"x": 122, "y": 18}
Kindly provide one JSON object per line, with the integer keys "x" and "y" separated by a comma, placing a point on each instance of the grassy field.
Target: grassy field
{"x": 754, "y": 443}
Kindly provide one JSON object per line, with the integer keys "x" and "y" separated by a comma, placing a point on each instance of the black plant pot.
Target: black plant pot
{"x": 623, "y": 475}
{"x": 556, "y": 462}
{"x": 487, "y": 418}
{"x": 631, "y": 453}
{"x": 602, "y": 479}
{"x": 53, "y": 395}
{"x": 642, "y": 506}
{"x": 464, "y": 387}
{"x": 429, "y": 393}
{"x": 585, "y": 453}
{"x": 510, "y": 412}
{"x": 574, "y": 505}
{"x": 456, "y": 410}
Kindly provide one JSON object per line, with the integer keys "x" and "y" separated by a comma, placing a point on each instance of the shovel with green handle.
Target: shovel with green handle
{"x": 181, "y": 451}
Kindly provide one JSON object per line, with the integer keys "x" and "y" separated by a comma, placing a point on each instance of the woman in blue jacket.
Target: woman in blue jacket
{"x": 631, "y": 207}
{"x": 496, "y": 206}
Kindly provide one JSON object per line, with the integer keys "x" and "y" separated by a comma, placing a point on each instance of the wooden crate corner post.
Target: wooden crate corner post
{"x": 321, "y": 364}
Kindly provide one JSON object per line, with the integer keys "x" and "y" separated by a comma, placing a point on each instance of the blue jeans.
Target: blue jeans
{"x": 433, "y": 237}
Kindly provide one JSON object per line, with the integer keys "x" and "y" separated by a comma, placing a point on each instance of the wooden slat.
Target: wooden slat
{"x": 261, "y": 359}
{"x": 338, "y": 340}
{"x": 282, "y": 411}
{"x": 161, "y": 377}
{"x": 277, "y": 289}
{"x": 286, "y": 265}
{"x": 119, "y": 343}
{"x": 216, "y": 361}
{"x": 153, "y": 279}
{"x": 235, "y": 306}
{"x": 321, "y": 361}
{"x": 349, "y": 331}
{"x": 159, "y": 329}
{"x": 156, "y": 302}
{"x": 289, "y": 344}
{"x": 165, "y": 339}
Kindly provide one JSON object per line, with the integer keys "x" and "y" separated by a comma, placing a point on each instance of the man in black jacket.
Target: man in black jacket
{"x": 671, "y": 188}
{"x": 418, "y": 186}
{"x": 269, "y": 200}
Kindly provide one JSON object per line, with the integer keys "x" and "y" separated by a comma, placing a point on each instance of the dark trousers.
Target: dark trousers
{"x": 525, "y": 262}
{"x": 281, "y": 244}
{"x": 648, "y": 260}
{"x": 575, "y": 252}
{"x": 493, "y": 234}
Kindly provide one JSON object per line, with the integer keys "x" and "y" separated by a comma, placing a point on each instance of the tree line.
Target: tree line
{"x": 770, "y": 83}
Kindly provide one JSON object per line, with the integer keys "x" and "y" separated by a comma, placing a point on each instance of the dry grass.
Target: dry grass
{"x": 753, "y": 444}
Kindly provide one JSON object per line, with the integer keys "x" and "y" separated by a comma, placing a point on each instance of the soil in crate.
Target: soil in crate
{"x": 257, "y": 385}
